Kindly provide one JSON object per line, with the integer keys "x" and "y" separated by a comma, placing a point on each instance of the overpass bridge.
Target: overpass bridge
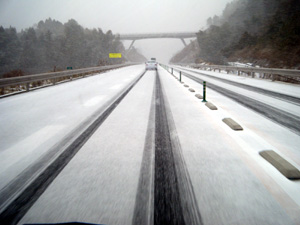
{"x": 134, "y": 37}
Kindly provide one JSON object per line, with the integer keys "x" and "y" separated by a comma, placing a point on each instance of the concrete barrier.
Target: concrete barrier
{"x": 232, "y": 124}
{"x": 282, "y": 165}
{"x": 211, "y": 106}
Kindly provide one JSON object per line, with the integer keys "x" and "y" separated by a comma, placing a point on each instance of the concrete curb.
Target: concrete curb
{"x": 282, "y": 165}
{"x": 191, "y": 90}
{"x": 199, "y": 96}
{"x": 232, "y": 124}
{"x": 211, "y": 106}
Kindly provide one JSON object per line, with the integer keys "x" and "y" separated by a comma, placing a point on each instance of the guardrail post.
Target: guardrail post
{"x": 27, "y": 87}
{"x": 204, "y": 92}
{"x": 180, "y": 76}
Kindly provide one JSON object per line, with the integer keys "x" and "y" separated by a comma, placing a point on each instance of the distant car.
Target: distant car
{"x": 151, "y": 65}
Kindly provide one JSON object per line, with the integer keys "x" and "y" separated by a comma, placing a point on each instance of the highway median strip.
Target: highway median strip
{"x": 282, "y": 165}
{"x": 232, "y": 124}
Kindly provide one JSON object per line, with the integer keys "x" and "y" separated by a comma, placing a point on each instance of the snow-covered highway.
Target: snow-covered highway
{"x": 128, "y": 147}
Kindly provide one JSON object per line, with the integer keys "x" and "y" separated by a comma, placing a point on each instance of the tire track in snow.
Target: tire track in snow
{"x": 174, "y": 198}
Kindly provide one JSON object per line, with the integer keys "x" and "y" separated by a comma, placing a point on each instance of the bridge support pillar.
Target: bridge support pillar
{"x": 183, "y": 41}
{"x": 131, "y": 45}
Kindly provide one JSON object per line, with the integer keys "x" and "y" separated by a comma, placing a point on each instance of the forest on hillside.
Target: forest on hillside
{"x": 53, "y": 46}
{"x": 263, "y": 32}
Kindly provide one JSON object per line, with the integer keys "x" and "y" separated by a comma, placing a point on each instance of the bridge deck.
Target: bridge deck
{"x": 157, "y": 35}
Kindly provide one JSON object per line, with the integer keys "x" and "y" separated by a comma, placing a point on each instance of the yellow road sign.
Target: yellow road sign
{"x": 115, "y": 55}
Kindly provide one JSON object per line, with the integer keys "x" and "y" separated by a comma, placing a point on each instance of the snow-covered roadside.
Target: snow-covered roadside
{"x": 241, "y": 64}
{"x": 31, "y": 123}
{"x": 259, "y": 134}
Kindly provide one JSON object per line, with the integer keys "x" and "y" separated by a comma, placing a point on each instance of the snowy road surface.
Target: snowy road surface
{"x": 128, "y": 147}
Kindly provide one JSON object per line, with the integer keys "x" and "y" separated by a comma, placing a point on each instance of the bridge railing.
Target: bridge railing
{"x": 265, "y": 72}
{"x": 45, "y": 79}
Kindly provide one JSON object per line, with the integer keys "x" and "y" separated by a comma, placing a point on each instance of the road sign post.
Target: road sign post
{"x": 180, "y": 76}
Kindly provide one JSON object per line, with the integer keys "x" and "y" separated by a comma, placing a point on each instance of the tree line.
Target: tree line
{"x": 247, "y": 26}
{"x": 53, "y": 46}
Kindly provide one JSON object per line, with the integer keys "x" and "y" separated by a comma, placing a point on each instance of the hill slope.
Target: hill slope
{"x": 264, "y": 32}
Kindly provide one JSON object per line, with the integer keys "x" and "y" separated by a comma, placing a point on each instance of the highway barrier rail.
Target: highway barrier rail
{"x": 271, "y": 73}
{"x": 28, "y": 82}
{"x": 171, "y": 70}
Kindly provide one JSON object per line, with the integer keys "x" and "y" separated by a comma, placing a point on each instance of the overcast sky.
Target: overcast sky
{"x": 120, "y": 16}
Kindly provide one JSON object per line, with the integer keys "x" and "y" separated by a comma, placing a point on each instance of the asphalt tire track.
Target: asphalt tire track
{"x": 167, "y": 205}
{"x": 174, "y": 198}
{"x": 281, "y": 117}
{"x": 18, "y": 207}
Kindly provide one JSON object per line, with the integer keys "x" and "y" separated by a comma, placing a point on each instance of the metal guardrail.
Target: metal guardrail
{"x": 54, "y": 76}
{"x": 250, "y": 70}
{"x": 171, "y": 70}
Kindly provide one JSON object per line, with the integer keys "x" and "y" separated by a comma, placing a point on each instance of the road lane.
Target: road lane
{"x": 167, "y": 200}
{"x": 33, "y": 123}
{"x": 22, "y": 192}
{"x": 99, "y": 185}
{"x": 174, "y": 193}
